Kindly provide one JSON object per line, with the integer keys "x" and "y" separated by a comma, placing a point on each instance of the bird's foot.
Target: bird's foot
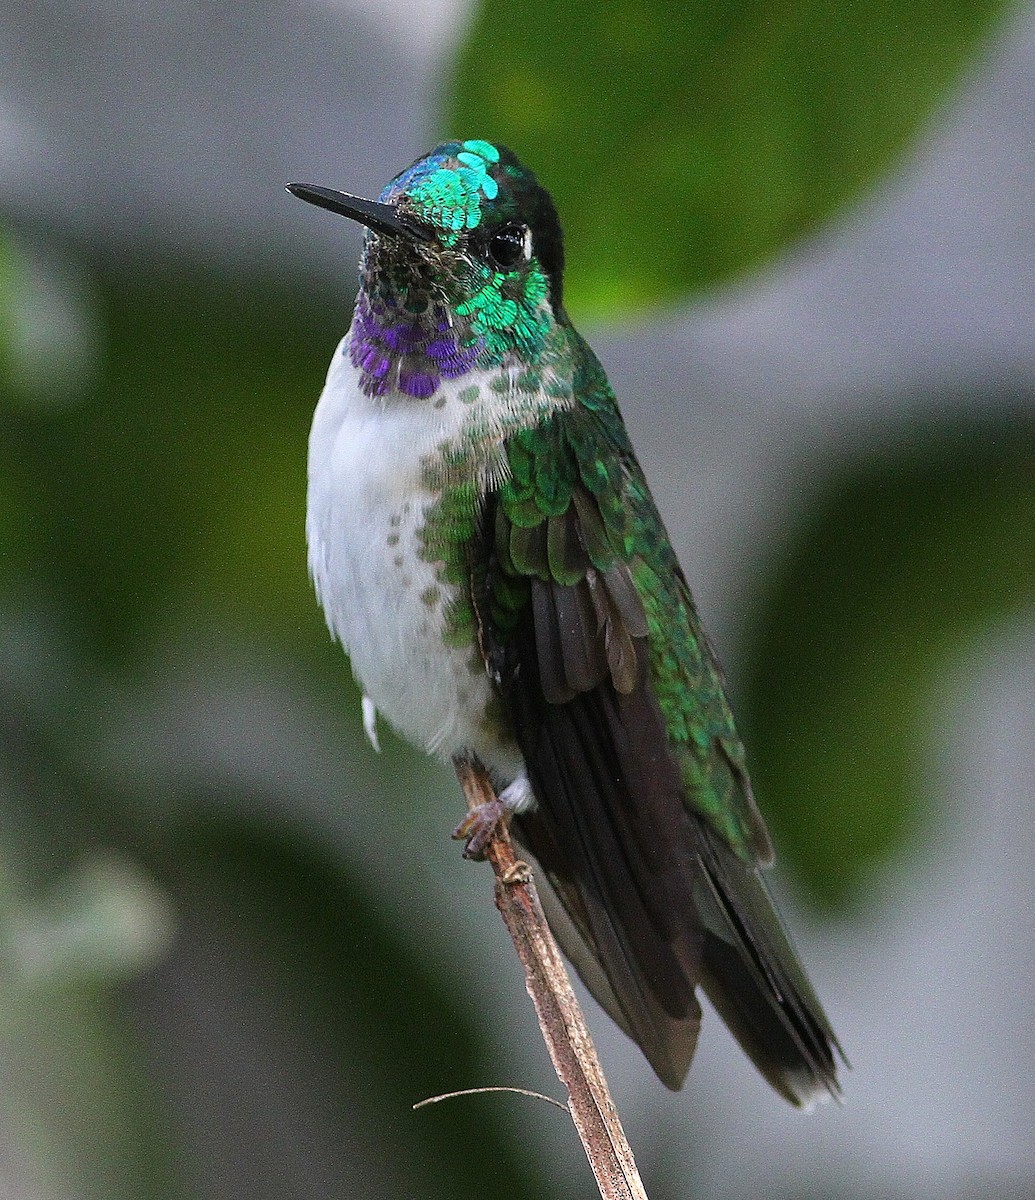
{"x": 480, "y": 826}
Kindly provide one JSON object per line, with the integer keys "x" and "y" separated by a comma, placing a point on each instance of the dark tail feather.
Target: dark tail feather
{"x": 667, "y": 1041}
{"x": 752, "y": 975}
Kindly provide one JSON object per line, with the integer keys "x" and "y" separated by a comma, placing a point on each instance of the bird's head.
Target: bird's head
{"x": 465, "y": 236}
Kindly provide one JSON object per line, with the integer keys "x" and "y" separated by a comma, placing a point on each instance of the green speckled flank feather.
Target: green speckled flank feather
{"x": 458, "y": 470}
{"x": 576, "y": 506}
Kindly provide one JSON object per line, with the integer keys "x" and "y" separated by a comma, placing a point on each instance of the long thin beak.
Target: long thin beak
{"x": 381, "y": 218}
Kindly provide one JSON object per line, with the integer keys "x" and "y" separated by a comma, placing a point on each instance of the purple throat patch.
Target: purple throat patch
{"x": 423, "y": 348}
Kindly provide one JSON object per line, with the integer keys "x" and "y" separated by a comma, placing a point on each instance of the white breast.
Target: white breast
{"x": 366, "y": 506}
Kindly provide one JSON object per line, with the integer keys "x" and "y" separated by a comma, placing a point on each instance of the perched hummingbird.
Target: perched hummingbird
{"x": 485, "y": 547}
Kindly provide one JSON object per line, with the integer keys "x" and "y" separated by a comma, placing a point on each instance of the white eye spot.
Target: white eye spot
{"x": 526, "y": 244}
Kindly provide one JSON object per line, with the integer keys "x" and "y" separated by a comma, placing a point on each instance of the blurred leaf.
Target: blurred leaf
{"x": 49, "y": 336}
{"x": 103, "y": 920}
{"x": 685, "y": 142}
{"x": 7, "y": 289}
{"x": 898, "y": 568}
{"x": 179, "y": 483}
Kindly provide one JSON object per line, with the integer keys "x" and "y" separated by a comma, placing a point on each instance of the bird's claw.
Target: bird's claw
{"x": 479, "y": 827}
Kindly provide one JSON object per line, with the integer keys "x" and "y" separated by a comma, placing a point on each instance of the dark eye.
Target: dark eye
{"x": 510, "y": 245}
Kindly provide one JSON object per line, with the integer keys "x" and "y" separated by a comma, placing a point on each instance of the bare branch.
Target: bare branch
{"x": 560, "y": 1017}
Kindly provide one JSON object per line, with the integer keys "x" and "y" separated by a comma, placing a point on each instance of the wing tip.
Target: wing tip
{"x": 811, "y": 1092}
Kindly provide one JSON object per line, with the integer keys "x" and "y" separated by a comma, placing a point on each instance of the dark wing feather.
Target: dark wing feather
{"x": 645, "y": 894}
{"x": 603, "y": 853}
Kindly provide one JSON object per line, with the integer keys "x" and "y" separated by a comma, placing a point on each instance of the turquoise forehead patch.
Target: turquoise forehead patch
{"x": 447, "y": 187}
{"x": 485, "y": 149}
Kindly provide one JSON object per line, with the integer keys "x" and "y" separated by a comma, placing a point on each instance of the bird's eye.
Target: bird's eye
{"x": 510, "y": 245}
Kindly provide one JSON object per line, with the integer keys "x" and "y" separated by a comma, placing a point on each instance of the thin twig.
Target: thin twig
{"x": 480, "y": 1091}
{"x": 560, "y": 1017}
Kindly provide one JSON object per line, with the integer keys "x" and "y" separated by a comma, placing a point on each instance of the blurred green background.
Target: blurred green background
{"x": 236, "y": 945}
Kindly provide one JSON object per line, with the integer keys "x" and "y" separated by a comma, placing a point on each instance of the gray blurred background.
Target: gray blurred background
{"x": 235, "y": 944}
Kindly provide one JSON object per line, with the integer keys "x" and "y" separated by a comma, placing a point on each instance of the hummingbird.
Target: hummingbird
{"x": 485, "y": 547}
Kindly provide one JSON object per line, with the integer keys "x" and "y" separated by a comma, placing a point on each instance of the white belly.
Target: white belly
{"x": 386, "y": 606}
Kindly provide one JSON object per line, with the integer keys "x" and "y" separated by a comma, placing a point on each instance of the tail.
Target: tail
{"x": 648, "y": 903}
{"x": 752, "y": 975}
